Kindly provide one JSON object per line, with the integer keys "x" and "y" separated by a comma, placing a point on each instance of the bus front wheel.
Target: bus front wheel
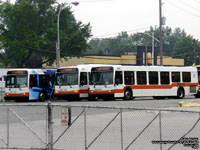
{"x": 42, "y": 96}
{"x": 197, "y": 95}
{"x": 180, "y": 93}
{"x": 128, "y": 94}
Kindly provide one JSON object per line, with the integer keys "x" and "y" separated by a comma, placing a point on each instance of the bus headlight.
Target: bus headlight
{"x": 56, "y": 92}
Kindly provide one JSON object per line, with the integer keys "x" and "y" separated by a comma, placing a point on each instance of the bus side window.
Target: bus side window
{"x": 141, "y": 78}
{"x": 153, "y": 77}
{"x": 33, "y": 80}
{"x": 83, "y": 78}
{"x": 186, "y": 76}
{"x": 129, "y": 78}
{"x": 176, "y": 77}
{"x": 164, "y": 76}
{"x": 44, "y": 81}
{"x": 118, "y": 77}
{"x": 4, "y": 78}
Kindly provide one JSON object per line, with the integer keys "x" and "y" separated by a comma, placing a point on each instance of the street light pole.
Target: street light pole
{"x": 58, "y": 33}
{"x": 161, "y": 40}
{"x": 58, "y": 38}
{"x": 153, "y": 39}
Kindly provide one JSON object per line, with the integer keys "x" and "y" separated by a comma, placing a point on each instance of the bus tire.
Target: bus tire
{"x": 197, "y": 95}
{"x": 180, "y": 93}
{"x": 159, "y": 97}
{"x": 42, "y": 96}
{"x": 128, "y": 94}
{"x": 91, "y": 98}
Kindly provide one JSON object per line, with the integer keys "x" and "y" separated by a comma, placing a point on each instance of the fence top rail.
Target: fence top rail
{"x": 99, "y": 107}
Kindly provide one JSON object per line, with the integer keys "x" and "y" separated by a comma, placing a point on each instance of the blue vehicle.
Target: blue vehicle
{"x": 29, "y": 84}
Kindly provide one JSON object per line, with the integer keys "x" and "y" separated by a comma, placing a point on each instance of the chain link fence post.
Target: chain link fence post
{"x": 160, "y": 126}
{"x": 50, "y": 126}
{"x": 121, "y": 126}
{"x": 8, "y": 127}
{"x": 85, "y": 128}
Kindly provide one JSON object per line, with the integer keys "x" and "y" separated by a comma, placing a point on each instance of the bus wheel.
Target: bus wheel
{"x": 91, "y": 99}
{"x": 180, "y": 93}
{"x": 197, "y": 95}
{"x": 42, "y": 96}
{"x": 128, "y": 94}
{"x": 158, "y": 97}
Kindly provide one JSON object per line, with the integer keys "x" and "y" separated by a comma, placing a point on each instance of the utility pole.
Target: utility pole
{"x": 194, "y": 46}
{"x": 161, "y": 36}
{"x": 152, "y": 49}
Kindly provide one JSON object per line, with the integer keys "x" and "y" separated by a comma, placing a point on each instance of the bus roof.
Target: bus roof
{"x": 35, "y": 71}
{"x": 84, "y": 67}
{"x": 150, "y": 68}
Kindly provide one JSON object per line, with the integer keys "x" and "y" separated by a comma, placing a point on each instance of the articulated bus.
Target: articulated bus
{"x": 29, "y": 84}
{"x": 128, "y": 82}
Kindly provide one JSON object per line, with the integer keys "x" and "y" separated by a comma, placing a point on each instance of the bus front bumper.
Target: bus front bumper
{"x": 67, "y": 96}
{"x": 18, "y": 98}
{"x": 102, "y": 96}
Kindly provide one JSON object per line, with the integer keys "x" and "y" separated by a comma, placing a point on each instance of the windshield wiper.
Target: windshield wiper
{"x": 94, "y": 84}
{"x": 69, "y": 85}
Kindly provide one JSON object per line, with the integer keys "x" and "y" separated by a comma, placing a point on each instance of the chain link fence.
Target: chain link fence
{"x": 2, "y": 93}
{"x": 42, "y": 126}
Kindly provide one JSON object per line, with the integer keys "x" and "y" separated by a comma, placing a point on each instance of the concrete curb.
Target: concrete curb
{"x": 189, "y": 104}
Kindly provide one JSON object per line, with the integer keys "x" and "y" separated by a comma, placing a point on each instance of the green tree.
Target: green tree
{"x": 118, "y": 45}
{"x": 28, "y": 30}
{"x": 176, "y": 43}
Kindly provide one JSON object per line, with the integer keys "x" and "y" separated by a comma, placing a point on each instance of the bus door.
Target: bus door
{"x": 83, "y": 84}
{"x": 33, "y": 87}
{"x": 118, "y": 86}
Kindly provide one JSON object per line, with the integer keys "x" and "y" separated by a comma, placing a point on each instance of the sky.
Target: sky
{"x": 110, "y": 17}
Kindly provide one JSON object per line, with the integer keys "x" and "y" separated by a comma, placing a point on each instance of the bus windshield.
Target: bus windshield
{"x": 16, "y": 81}
{"x": 101, "y": 78}
{"x": 67, "y": 78}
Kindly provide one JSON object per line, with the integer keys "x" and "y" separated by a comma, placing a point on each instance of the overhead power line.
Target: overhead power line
{"x": 92, "y": 57}
{"x": 86, "y": 1}
{"x": 190, "y": 6}
{"x": 182, "y": 9}
{"x": 197, "y": 1}
{"x": 129, "y": 31}
{"x": 96, "y": 1}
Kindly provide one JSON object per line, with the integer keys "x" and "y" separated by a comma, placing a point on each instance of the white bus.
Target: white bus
{"x": 127, "y": 82}
{"x": 72, "y": 82}
{"x": 29, "y": 84}
{"x": 198, "y": 91}
{"x": 3, "y": 72}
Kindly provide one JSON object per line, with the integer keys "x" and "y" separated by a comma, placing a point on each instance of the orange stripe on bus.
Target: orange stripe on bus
{"x": 16, "y": 94}
{"x": 144, "y": 87}
{"x": 84, "y": 91}
{"x": 162, "y": 86}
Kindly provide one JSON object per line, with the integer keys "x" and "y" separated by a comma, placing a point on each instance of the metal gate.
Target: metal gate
{"x": 39, "y": 126}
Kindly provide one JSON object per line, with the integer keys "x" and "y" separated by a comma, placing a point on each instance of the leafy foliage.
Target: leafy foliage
{"x": 28, "y": 30}
{"x": 176, "y": 43}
